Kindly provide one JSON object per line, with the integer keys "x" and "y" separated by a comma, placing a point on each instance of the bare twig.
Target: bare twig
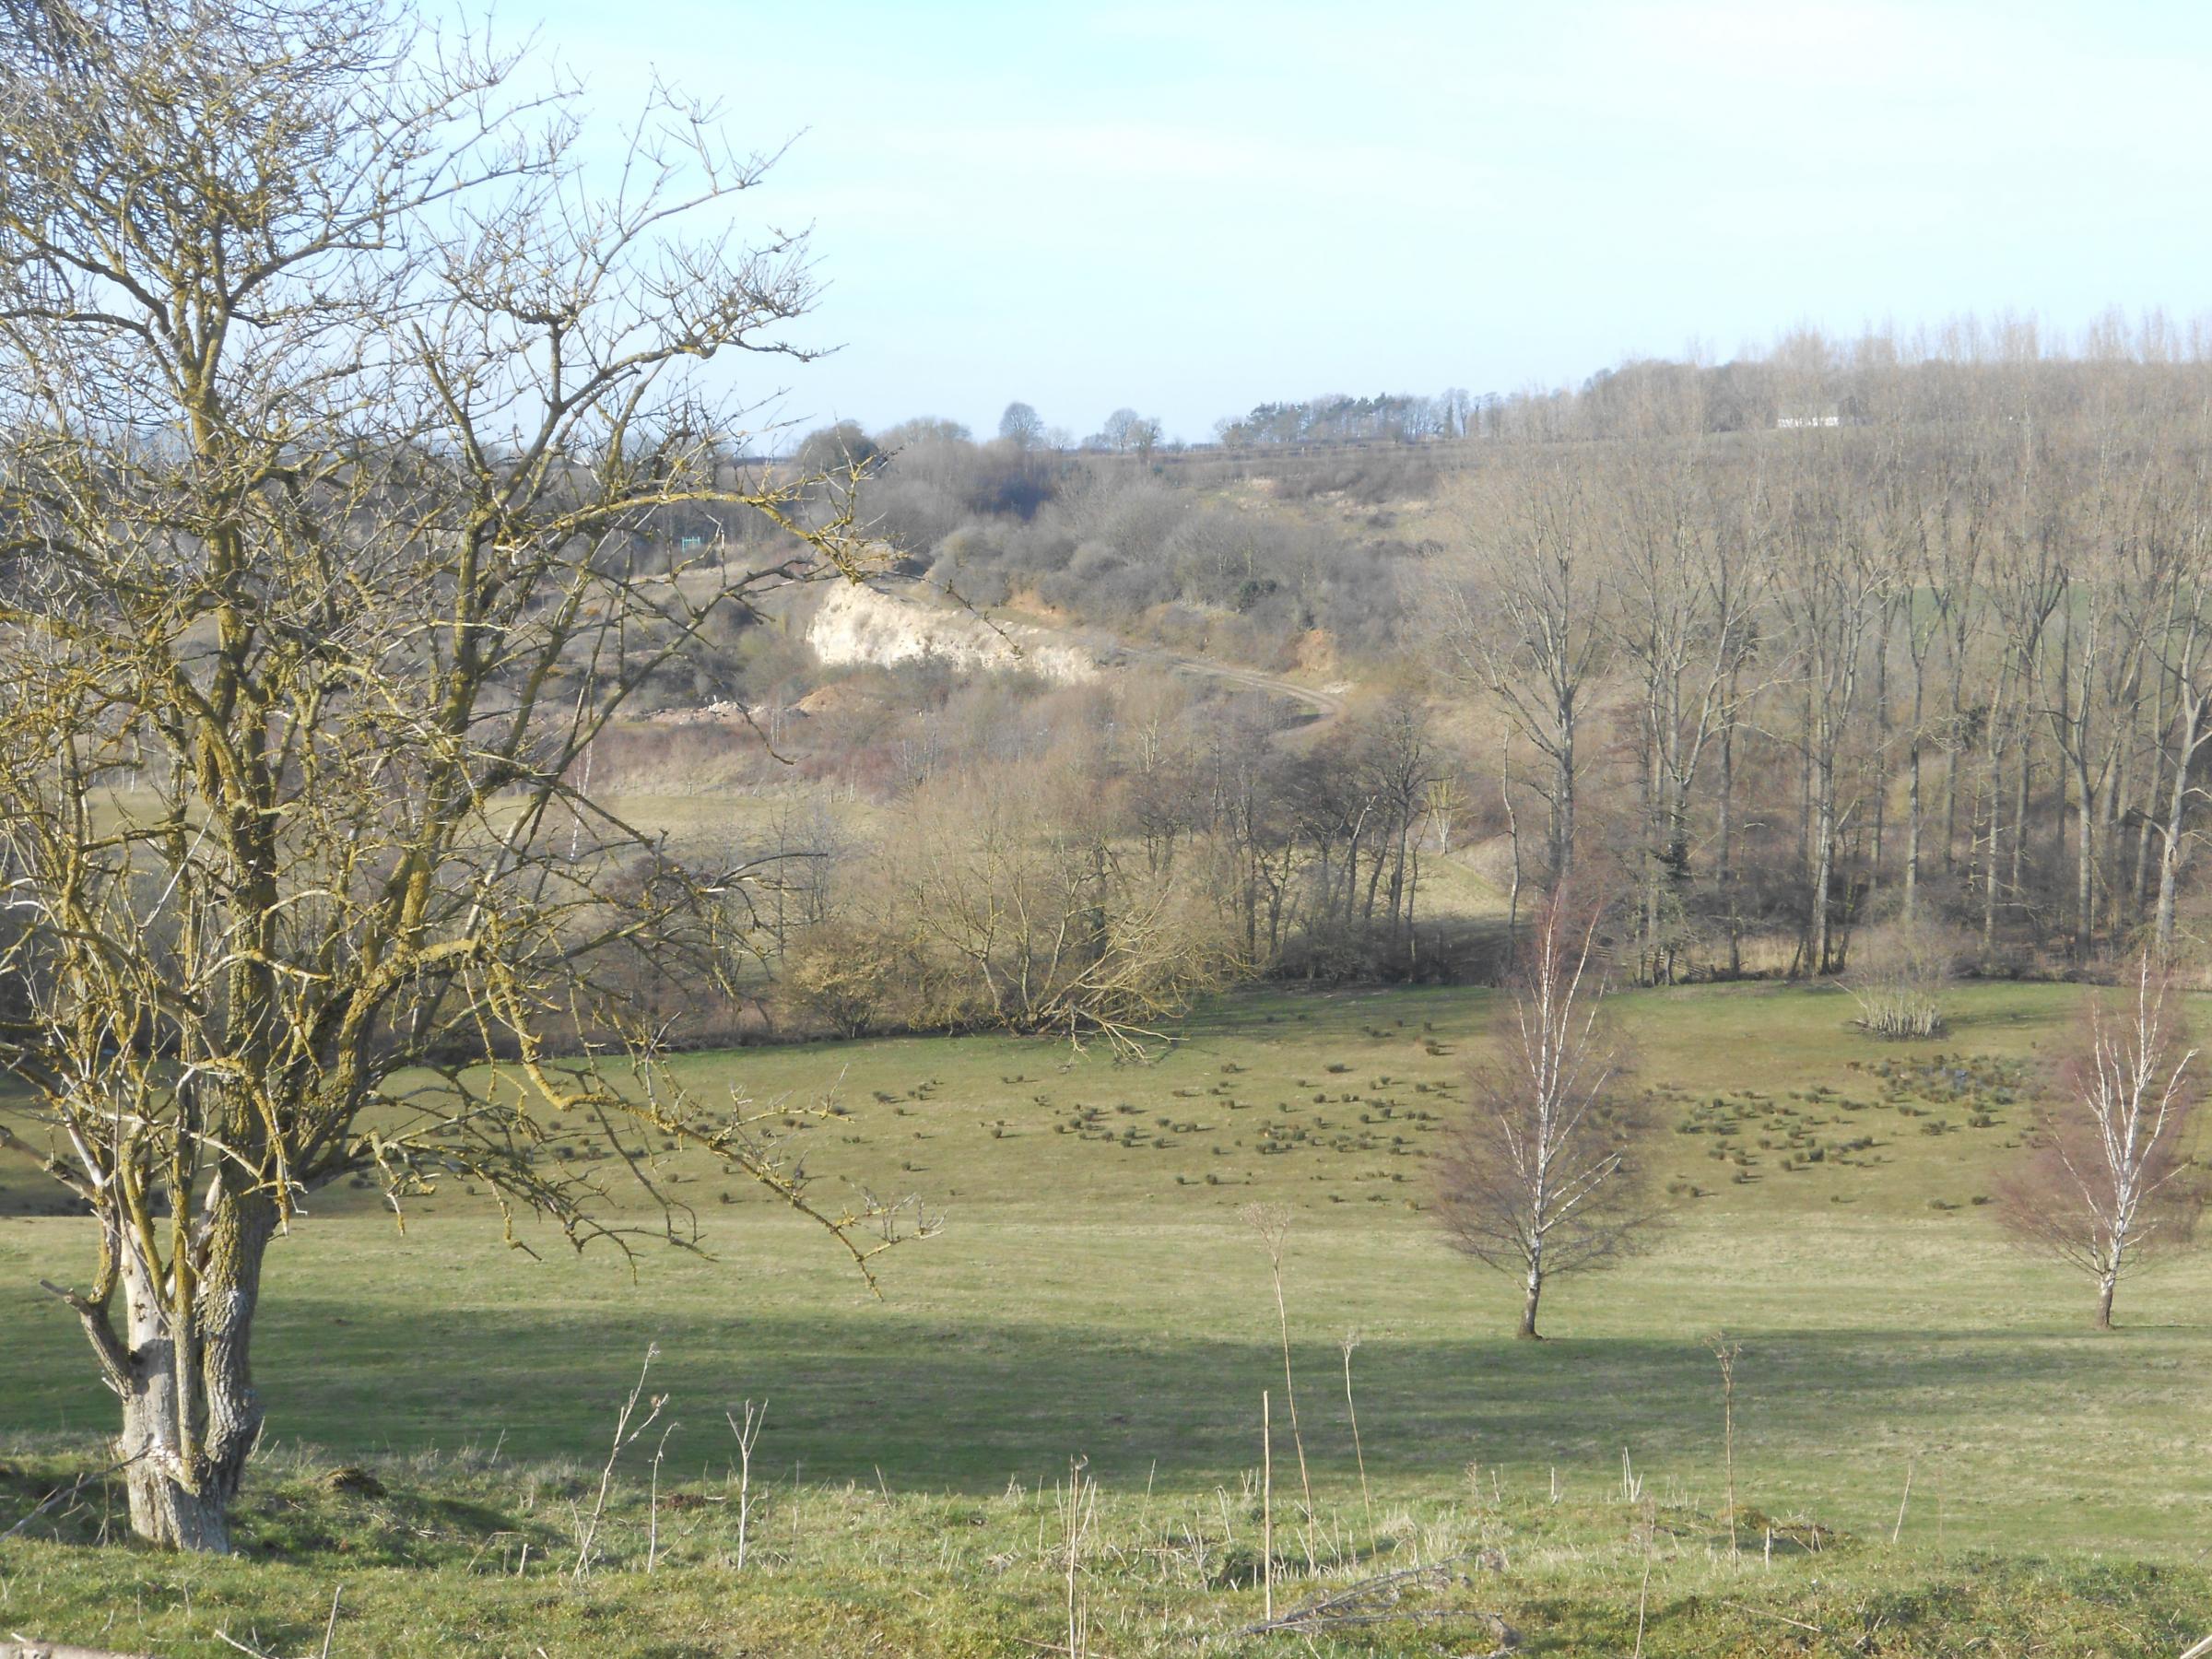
{"x": 1266, "y": 1505}
{"x": 652, "y": 1521}
{"x": 64, "y": 1494}
{"x": 1272, "y": 1222}
{"x": 1726, "y": 1352}
{"x": 1351, "y": 1341}
{"x": 1644, "y": 1596}
{"x": 1784, "y": 1617}
{"x": 624, "y": 1435}
{"x": 1079, "y": 1507}
{"x": 746, "y": 1437}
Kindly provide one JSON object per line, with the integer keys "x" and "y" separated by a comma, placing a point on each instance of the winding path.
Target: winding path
{"x": 1327, "y": 705}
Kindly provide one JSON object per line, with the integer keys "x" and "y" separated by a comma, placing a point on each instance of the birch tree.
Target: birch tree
{"x": 2109, "y": 1183}
{"x": 1542, "y": 1176}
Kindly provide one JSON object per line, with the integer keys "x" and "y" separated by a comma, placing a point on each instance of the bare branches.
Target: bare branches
{"x": 340, "y": 404}
{"x": 2109, "y": 1183}
{"x": 625, "y": 1436}
{"x": 1540, "y": 1177}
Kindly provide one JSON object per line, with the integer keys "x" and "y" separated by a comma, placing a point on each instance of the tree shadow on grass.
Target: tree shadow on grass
{"x": 965, "y": 1407}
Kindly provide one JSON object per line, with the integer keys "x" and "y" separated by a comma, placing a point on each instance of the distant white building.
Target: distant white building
{"x": 1829, "y": 417}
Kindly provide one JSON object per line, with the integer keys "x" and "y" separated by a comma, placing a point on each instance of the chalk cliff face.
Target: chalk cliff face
{"x": 856, "y": 624}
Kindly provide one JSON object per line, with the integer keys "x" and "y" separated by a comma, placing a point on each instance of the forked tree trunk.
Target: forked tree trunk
{"x": 1535, "y": 1292}
{"x": 190, "y": 1413}
{"x": 2106, "y": 1284}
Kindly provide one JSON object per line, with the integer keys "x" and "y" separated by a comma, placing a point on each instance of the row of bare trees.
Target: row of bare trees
{"x": 1785, "y": 681}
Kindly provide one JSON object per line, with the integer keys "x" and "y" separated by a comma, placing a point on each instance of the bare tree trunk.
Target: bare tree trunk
{"x": 1953, "y": 748}
{"x": 2169, "y": 851}
{"x": 1824, "y": 864}
{"x": 1534, "y": 1292}
{"x": 2148, "y": 814}
{"x": 1996, "y": 788}
{"x": 1648, "y": 866}
{"x": 2021, "y": 790}
{"x": 1727, "y": 834}
{"x": 2085, "y": 870}
{"x": 1512, "y": 830}
{"x": 1562, "y": 801}
{"x": 1881, "y": 750}
{"x": 190, "y": 1413}
{"x": 1912, "y": 812}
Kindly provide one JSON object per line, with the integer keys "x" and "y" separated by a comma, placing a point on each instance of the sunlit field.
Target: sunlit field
{"x": 1094, "y": 1294}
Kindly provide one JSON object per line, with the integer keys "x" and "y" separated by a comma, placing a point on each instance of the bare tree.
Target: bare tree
{"x": 1541, "y": 1177}
{"x": 1830, "y": 579}
{"x": 1012, "y": 900}
{"x": 2184, "y": 659}
{"x": 1526, "y": 623}
{"x": 1021, "y": 426}
{"x": 2110, "y": 1182}
{"x": 1687, "y": 629}
{"x": 334, "y": 408}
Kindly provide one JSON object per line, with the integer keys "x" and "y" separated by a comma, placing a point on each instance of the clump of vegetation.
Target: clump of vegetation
{"x": 1900, "y": 973}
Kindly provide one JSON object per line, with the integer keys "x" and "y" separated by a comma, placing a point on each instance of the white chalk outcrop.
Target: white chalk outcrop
{"x": 857, "y": 624}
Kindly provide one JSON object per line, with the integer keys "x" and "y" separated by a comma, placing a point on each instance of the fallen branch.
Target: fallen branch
{"x": 1785, "y": 1617}
{"x": 1378, "y": 1601}
{"x": 19, "y": 1646}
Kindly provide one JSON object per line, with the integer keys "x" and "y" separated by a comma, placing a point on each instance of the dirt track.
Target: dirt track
{"x": 1327, "y": 705}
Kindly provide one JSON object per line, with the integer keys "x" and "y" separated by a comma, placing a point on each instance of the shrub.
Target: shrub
{"x": 1904, "y": 967}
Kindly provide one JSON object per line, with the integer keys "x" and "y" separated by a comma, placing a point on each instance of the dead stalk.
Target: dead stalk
{"x": 624, "y": 1435}
{"x": 746, "y": 1437}
{"x": 1726, "y": 1352}
{"x": 1351, "y": 1341}
{"x": 1643, "y": 1596}
{"x": 1078, "y": 1511}
{"x": 1272, "y": 1222}
{"x": 1266, "y": 1507}
{"x": 653, "y": 1507}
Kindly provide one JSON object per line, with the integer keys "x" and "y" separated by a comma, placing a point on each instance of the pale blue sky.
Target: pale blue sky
{"x": 1193, "y": 208}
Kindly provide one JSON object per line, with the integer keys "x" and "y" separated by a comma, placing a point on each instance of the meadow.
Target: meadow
{"x": 1946, "y": 1451}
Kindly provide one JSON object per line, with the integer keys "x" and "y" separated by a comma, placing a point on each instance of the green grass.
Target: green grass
{"x": 468, "y": 1556}
{"x": 1093, "y": 1295}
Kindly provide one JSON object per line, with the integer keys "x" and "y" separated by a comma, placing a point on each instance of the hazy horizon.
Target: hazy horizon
{"x": 1191, "y": 211}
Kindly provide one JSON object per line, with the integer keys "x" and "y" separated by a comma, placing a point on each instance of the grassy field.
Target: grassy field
{"x": 1095, "y": 1294}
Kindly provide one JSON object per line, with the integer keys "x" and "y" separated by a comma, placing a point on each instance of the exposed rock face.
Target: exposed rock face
{"x": 856, "y": 624}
